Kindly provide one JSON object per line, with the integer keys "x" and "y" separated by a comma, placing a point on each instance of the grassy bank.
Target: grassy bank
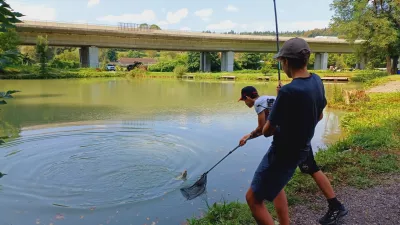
{"x": 32, "y": 72}
{"x": 379, "y": 81}
{"x": 370, "y": 148}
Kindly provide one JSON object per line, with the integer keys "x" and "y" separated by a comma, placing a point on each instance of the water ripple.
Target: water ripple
{"x": 96, "y": 165}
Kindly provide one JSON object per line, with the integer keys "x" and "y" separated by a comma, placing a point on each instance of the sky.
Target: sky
{"x": 189, "y": 15}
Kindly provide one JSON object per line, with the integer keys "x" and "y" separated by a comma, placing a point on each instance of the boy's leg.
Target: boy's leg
{"x": 324, "y": 184}
{"x": 282, "y": 208}
{"x": 336, "y": 208}
{"x": 268, "y": 182}
{"x": 309, "y": 166}
{"x": 260, "y": 212}
{"x": 258, "y": 209}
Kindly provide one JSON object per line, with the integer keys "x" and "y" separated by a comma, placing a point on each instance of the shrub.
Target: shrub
{"x": 61, "y": 64}
{"x": 143, "y": 67}
{"x": 266, "y": 69}
{"x": 11, "y": 70}
{"x": 163, "y": 66}
{"x": 137, "y": 72}
{"x": 119, "y": 68}
{"x": 180, "y": 70}
{"x": 368, "y": 75}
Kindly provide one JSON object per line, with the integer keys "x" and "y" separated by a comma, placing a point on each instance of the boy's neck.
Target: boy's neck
{"x": 302, "y": 73}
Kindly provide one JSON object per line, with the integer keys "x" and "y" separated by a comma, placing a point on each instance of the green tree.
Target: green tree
{"x": 122, "y": 55}
{"x": 42, "y": 46}
{"x": 67, "y": 55}
{"x": 9, "y": 53}
{"x": 144, "y": 26}
{"x": 152, "y": 53}
{"x": 215, "y": 62}
{"x": 193, "y": 61}
{"x": 112, "y": 55}
{"x": 168, "y": 55}
{"x": 181, "y": 59}
{"x": 375, "y": 22}
{"x": 8, "y": 18}
{"x": 266, "y": 68}
{"x": 155, "y": 27}
{"x": 9, "y": 40}
{"x": 29, "y": 52}
{"x": 136, "y": 54}
{"x": 350, "y": 60}
{"x": 311, "y": 62}
{"x": 8, "y": 36}
{"x": 250, "y": 61}
{"x": 236, "y": 65}
{"x": 103, "y": 54}
{"x": 103, "y": 64}
{"x": 61, "y": 50}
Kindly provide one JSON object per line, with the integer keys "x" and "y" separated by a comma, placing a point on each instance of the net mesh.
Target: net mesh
{"x": 197, "y": 189}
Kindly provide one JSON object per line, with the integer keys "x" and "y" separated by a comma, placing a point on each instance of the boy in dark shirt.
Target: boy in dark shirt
{"x": 292, "y": 121}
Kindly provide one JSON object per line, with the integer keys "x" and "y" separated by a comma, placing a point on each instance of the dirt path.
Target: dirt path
{"x": 392, "y": 86}
{"x": 379, "y": 205}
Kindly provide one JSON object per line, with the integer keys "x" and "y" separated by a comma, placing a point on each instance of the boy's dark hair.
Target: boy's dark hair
{"x": 249, "y": 91}
{"x": 299, "y": 63}
{"x": 254, "y": 95}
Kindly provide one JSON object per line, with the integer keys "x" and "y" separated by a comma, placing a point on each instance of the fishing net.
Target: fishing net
{"x": 197, "y": 189}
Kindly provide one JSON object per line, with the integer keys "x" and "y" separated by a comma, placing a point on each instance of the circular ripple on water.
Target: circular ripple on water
{"x": 92, "y": 165}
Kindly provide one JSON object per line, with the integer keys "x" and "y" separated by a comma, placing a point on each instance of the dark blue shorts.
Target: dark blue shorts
{"x": 272, "y": 175}
{"x": 309, "y": 166}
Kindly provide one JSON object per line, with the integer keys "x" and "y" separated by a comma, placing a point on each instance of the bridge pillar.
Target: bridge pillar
{"x": 205, "y": 62}
{"x": 227, "y": 61}
{"x": 362, "y": 64}
{"x": 321, "y": 61}
{"x": 89, "y": 57}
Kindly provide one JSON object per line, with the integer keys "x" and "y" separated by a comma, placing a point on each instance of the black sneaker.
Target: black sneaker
{"x": 333, "y": 216}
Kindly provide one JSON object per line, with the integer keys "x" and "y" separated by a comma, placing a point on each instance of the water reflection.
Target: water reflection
{"x": 332, "y": 131}
{"x": 98, "y": 150}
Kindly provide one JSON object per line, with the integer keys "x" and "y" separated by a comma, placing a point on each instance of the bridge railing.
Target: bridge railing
{"x": 107, "y": 27}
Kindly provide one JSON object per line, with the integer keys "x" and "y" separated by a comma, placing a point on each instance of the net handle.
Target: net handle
{"x": 223, "y": 158}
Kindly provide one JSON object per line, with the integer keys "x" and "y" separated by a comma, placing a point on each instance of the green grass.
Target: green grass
{"x": 381, "y": 80}
{"x": 32, "y": 72}
{"x": 366, "y": 75}
{"x": 370, "y": 148}
{"x": 233, "y": 213}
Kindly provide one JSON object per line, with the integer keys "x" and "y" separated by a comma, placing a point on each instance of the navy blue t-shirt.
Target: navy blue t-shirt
{"x": 296, "y": 112}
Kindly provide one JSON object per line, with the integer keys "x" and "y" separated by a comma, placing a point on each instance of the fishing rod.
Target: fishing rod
{"x": 277, "y": 42}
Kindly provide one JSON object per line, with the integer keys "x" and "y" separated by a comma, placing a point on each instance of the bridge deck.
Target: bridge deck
{"x": 69, "y": 34}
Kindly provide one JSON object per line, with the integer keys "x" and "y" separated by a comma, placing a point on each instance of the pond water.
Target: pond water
{"x": 108, "y": 151}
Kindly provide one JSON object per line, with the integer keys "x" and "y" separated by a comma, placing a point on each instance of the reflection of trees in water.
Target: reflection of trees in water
{"x": 21, "y": 115}
{"x": 332, "y": 129}
{"x": 8, "y": 130}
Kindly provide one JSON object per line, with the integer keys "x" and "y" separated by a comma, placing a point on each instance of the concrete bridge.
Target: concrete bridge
{"x": 91, "y": 37}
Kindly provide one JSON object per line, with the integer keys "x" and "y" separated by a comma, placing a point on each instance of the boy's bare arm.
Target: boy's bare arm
{"x": 268, "y": 129}
{"x": 262, "y": 118}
